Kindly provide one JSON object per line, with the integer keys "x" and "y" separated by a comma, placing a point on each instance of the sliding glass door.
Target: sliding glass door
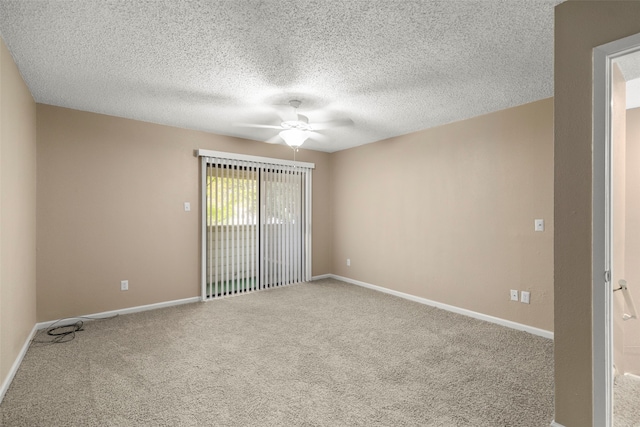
{"x": 256, "y": 224}
{"x": 232, "y": 228}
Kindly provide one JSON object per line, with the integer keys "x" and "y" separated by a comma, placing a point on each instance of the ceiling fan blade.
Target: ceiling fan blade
{"x": 316, "y": 136}
{"x": 275, "y": 139}
{"x": 331, "y": 124}
{"x": 254, "y": 125}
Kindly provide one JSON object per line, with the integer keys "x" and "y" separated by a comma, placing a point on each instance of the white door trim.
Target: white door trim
{"x": 602, "y": 309}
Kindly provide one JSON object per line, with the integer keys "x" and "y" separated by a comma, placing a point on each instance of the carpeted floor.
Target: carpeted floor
{"x": 626, "y": 401}
{"x": 318, "y": 354}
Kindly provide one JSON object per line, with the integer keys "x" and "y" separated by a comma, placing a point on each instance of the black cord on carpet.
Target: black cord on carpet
{"x": 64, "y": 333}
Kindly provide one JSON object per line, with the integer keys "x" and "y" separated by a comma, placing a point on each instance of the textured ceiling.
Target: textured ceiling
{"x": 392, "y": 66}
{"x": 630, "y": 67}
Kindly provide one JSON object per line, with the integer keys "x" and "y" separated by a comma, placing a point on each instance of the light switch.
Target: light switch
{"x": 187, "y": 206}
{"x": 539, "y": 224}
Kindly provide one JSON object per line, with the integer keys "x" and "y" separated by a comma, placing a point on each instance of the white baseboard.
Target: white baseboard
{"x": 555, "y": 424}
{"x": 16, "y": 364}
{"x": 454, "y": 309}
{"x": 129, "y": 310}
{"x": 636, "y": 377}
{"x": 514, "y": 325}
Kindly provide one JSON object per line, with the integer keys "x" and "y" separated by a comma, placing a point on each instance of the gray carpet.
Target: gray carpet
{"x": 626, "y": 401}
{"x": 318, "y": 354}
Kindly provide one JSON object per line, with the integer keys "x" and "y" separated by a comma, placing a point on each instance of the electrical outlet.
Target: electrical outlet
{"x": 124, "y": 285}
{"x": 514, "y": 295}
{"x": 348, "y": 262}
{"x": 524, "y": 297}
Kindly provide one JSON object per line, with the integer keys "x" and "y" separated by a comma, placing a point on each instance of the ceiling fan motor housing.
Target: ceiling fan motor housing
{"x": 301, "y": 124}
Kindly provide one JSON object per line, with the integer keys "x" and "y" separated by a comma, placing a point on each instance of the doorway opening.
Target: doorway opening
{"x": 616, "y": 241}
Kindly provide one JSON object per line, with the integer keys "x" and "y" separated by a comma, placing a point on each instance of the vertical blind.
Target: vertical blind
{"x": 256, "y": 223}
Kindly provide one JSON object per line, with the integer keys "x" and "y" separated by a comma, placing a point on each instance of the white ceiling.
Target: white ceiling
{"x": 630, "y": 67}
{"x": 392, "y": 66}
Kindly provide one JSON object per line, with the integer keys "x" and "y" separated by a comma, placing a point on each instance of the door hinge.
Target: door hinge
{"x": 607, "y": 276}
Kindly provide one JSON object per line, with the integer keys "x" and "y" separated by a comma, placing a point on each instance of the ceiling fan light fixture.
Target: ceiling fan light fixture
{"x": 294, "y": 137}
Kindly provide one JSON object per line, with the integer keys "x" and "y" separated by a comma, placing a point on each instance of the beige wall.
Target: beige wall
{"x": 448, "y": 213}
{"x": 17, "y": 212}
{"x": 632, "y": 254}
{"x": 579, "y": 27}
{"x": 110, "y": 207}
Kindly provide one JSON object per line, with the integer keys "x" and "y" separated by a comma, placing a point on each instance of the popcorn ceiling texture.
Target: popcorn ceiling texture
{"x": 393, "y": 66}
{"x": 630, "y": 67}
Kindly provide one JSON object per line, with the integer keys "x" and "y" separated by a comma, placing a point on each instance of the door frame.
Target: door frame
{"x": 602, "y": 227}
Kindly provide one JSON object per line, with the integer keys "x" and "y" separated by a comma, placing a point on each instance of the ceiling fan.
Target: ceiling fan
{"x": 295, "y": 128}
